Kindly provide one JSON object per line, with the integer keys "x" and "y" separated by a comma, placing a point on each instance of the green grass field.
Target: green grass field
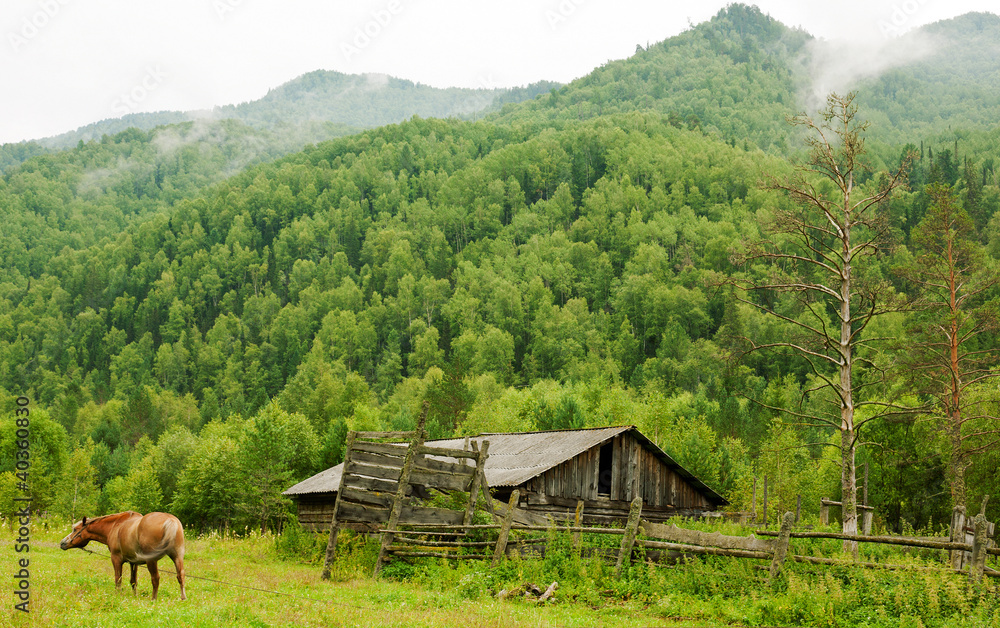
{"x": 74, "y": 588}
{"x": 247, "y": 582}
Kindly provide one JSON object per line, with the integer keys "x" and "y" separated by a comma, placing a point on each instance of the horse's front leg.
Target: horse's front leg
{"x": 116, "y": 562}
{"x": 135, "y": 568}
{"x": 154, "y": 575}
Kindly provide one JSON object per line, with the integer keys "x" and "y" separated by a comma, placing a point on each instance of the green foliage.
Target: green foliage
{"x": 566, "y": 414}
{"x": 276, "y": 449}
{"x": 8, "y": 493}
{"x": 139, "y": 491}
{"x": 557, "y": 264}
{"x": 792, "y": 472}
{"x": 77, "y": 492}
{"x": 296, "y": 543}
{"x": 48, "y": 450}
{"x": 209, "y": 487}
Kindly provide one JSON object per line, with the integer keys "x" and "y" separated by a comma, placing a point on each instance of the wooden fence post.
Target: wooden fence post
{"x": 578, "y": 522}
{"x": 824, "y": 511}
{"x": 628, "y": 541}
{"x": 765, "y": 501}
{"x": 866, "y": 521}
{"x": 957, "y": 535}
{"x": 865, "y": 494}
{"x": 753, "y": 500}
{"x": 978, "y": 566}
{"x": 508, "y": 518}
{"x": 781, "y": 547}
{"x": 477, "y": 481}
{"x": 331, "y": 543}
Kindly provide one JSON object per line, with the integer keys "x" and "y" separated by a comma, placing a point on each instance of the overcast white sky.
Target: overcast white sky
{"x": 67, "y": 63}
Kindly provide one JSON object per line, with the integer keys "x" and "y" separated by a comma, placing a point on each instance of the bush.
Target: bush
{"x": 297, "y": 543}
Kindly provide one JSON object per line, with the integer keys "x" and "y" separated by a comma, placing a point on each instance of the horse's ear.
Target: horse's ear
{"x": 84, "y": 522}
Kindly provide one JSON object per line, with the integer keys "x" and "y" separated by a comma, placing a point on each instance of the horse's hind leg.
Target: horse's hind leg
{"x": 179, "y": 566}
{"x": 135, "y": 568}
{"x": 154, "y": 575}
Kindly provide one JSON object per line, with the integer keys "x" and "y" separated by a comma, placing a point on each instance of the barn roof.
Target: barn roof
{"x": 515, "y": 458}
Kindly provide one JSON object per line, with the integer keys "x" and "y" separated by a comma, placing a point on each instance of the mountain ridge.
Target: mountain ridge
{"x": 363, "y": 101}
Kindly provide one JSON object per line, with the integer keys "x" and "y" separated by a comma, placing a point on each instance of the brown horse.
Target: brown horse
{"x": 134, "y": 539}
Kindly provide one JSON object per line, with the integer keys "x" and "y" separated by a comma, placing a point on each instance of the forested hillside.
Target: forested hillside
{"x": 199, "y": 344}
{"x": 312, "y": 108}
{"x": 357, "y": 101}
{"x": 951, "y": 86}
{"x": 736, "y": 77}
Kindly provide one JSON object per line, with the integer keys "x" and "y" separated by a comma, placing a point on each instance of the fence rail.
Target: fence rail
{"x": 774, "y": 546}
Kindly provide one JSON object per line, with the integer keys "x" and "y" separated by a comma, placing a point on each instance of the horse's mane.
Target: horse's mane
{"x": 114, "y": 514}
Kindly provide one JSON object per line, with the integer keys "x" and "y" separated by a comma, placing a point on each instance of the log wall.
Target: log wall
{"x": 635, "y": 472}
{"x": 316, "y": 510}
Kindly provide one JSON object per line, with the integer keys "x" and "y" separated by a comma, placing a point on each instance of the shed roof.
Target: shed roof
{"x": 515, "y": 458}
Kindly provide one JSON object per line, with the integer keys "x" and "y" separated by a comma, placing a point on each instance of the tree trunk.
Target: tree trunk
{"x": 849, "y": 489}
{"x": 957, "y": 463}
{"x": 848, "y": 473}
{"x": 956, "y": 466}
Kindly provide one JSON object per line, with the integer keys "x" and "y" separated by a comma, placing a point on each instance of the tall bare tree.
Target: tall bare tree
{"x": 946, "y": 356}
{"x": 815, "y": 248}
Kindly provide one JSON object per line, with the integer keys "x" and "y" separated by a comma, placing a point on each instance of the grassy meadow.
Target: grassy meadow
{"x": 74, "y": 588}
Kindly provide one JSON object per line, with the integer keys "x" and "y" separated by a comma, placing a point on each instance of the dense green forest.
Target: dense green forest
{"x": 198, "y": 328}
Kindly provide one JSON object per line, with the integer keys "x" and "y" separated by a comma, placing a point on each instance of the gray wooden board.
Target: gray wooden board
{"x": 380, "y": 448}
{"x": 371, "y": 484}
{"x": 350, "y": 511}
{"x": 379, "y": 460}
{"x": 441, "y": 480}
{"x": 446, "y": 453}
{"x": 382, "y": 473}
{"x": 706, "y": 539}
{"x": 430, "y": 464}
{"x": 441, "y": 516}
{"x": 383, "y": 500}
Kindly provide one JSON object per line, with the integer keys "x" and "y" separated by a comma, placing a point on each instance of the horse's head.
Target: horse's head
{"x": 78, "y": 536}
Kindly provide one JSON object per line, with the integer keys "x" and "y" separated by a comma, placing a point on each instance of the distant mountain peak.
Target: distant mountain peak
{"x": 356, "y": 101}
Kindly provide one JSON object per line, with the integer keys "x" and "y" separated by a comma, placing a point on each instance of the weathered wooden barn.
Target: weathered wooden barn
{"x": 605, "y": 467}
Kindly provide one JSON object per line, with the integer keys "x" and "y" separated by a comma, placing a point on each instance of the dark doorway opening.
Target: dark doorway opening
{"x": 604, "y": 467}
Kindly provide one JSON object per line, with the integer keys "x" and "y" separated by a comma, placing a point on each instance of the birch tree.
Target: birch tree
{"x": 815, "y": 249}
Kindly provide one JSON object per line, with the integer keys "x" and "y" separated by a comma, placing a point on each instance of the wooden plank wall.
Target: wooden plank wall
{"x": 316, "y": 510}
{"x": 636, "y": 471}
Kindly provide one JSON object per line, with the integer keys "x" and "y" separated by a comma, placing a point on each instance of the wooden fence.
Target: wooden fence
{"x": 439, "y": 541}
{"x": 381, "y": 480}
